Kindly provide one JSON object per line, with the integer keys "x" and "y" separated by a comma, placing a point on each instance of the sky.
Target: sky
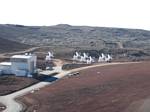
{"x": 103, "y": 13}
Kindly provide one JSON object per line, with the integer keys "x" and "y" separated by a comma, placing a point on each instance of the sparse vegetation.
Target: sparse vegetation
{"x": 131, "y": 43}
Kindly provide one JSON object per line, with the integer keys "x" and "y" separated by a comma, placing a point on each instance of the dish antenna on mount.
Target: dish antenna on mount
{"x": 49, "y": 56}
{"x": 88, "y": 61}
{"x": 82, "y": 59}
{"x": 85, "y": 55}
{"x": 77, "y": 56}
{"x": 103, "y": 56}
{"x": 108, "y": 58}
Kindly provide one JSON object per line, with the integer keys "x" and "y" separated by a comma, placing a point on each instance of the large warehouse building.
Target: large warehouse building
{"x": 20, "y": 65}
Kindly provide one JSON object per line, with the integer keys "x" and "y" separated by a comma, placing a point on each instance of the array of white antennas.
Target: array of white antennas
{"x": 49, "y": 56}
{"x": 104, "y": 58}
{"x": 83, "y": 58}
{"x": 88, "y": 59}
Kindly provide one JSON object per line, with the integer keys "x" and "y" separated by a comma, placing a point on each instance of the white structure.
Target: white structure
{"x": 49, "y": 56}
{"x": 5, "y": 68}
{"x": 90, "y": 60}
{"x": 83, "y": 58}
{"x": 85, "y": 55}
{"x": 104, "y": 58}
{"x": 23, "y": 65}
{"x": 108, "y": 58}
{"x": 101, "y": 58}
{"x": 76, "y": 57}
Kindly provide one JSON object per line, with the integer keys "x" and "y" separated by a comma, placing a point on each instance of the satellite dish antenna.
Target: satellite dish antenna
{"x": 47, "y": 58}
{"x": 99, "y": 59}
{"x": 77, "y": 54}
{"x": 85, "y": 55}
{"x": 103, "y": 56}
{"x": 82, "y": 59}
{"x": 74, "y": 57}
{"x": 50, "y": 54}
{"x": 88, "y": 61}
{"x": 109, "y": 58}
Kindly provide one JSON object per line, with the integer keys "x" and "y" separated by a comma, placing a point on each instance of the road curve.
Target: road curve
{"x": 13, "y": 106}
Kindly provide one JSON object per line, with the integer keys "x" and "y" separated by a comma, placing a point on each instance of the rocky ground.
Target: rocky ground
{"x": 102, "y": 89}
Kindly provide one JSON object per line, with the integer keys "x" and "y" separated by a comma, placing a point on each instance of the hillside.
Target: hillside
{"x": 11, "y": 46}
{"x": 123, "y": 42}
{"x": 116, "y": 88}
{"x": 84, "y": 36}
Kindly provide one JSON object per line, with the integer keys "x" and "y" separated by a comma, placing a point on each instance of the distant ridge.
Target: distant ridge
{"x": 117, "y": 41}
{"x": 64, "y": 34}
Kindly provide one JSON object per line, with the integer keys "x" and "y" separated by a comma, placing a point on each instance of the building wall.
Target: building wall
{"x": 5, "y": 69}
{"x": 17, "y": 67}
{"x": 23, "y": 66}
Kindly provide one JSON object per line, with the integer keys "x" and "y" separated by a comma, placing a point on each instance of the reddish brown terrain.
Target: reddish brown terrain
{"x": 9, "y": 84}
{"x": 102, "y": 89}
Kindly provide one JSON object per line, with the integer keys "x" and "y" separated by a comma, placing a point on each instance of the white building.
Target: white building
{"x": 20, "y": 65}
{"x": 23, "y": 65}
{"x": 5, "y": 68}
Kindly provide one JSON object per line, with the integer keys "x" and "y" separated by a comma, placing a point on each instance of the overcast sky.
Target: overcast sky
{"x": 109, "y": 13}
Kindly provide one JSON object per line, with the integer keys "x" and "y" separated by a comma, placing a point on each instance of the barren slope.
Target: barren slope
{"x": 102, "y": 89}
{"x": 9, "y": 84}
{"x": 11, "y": 46}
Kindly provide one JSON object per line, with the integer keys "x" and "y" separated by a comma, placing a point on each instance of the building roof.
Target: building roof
{"x": 22, "y": 56}
{"x": 5, "y": 63}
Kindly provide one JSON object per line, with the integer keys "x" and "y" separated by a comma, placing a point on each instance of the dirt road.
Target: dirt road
{"x": 21, "y": 52}
{"x": 9, "y": 100}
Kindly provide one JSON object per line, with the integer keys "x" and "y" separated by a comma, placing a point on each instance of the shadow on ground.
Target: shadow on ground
{"x": 47, "y": 78}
